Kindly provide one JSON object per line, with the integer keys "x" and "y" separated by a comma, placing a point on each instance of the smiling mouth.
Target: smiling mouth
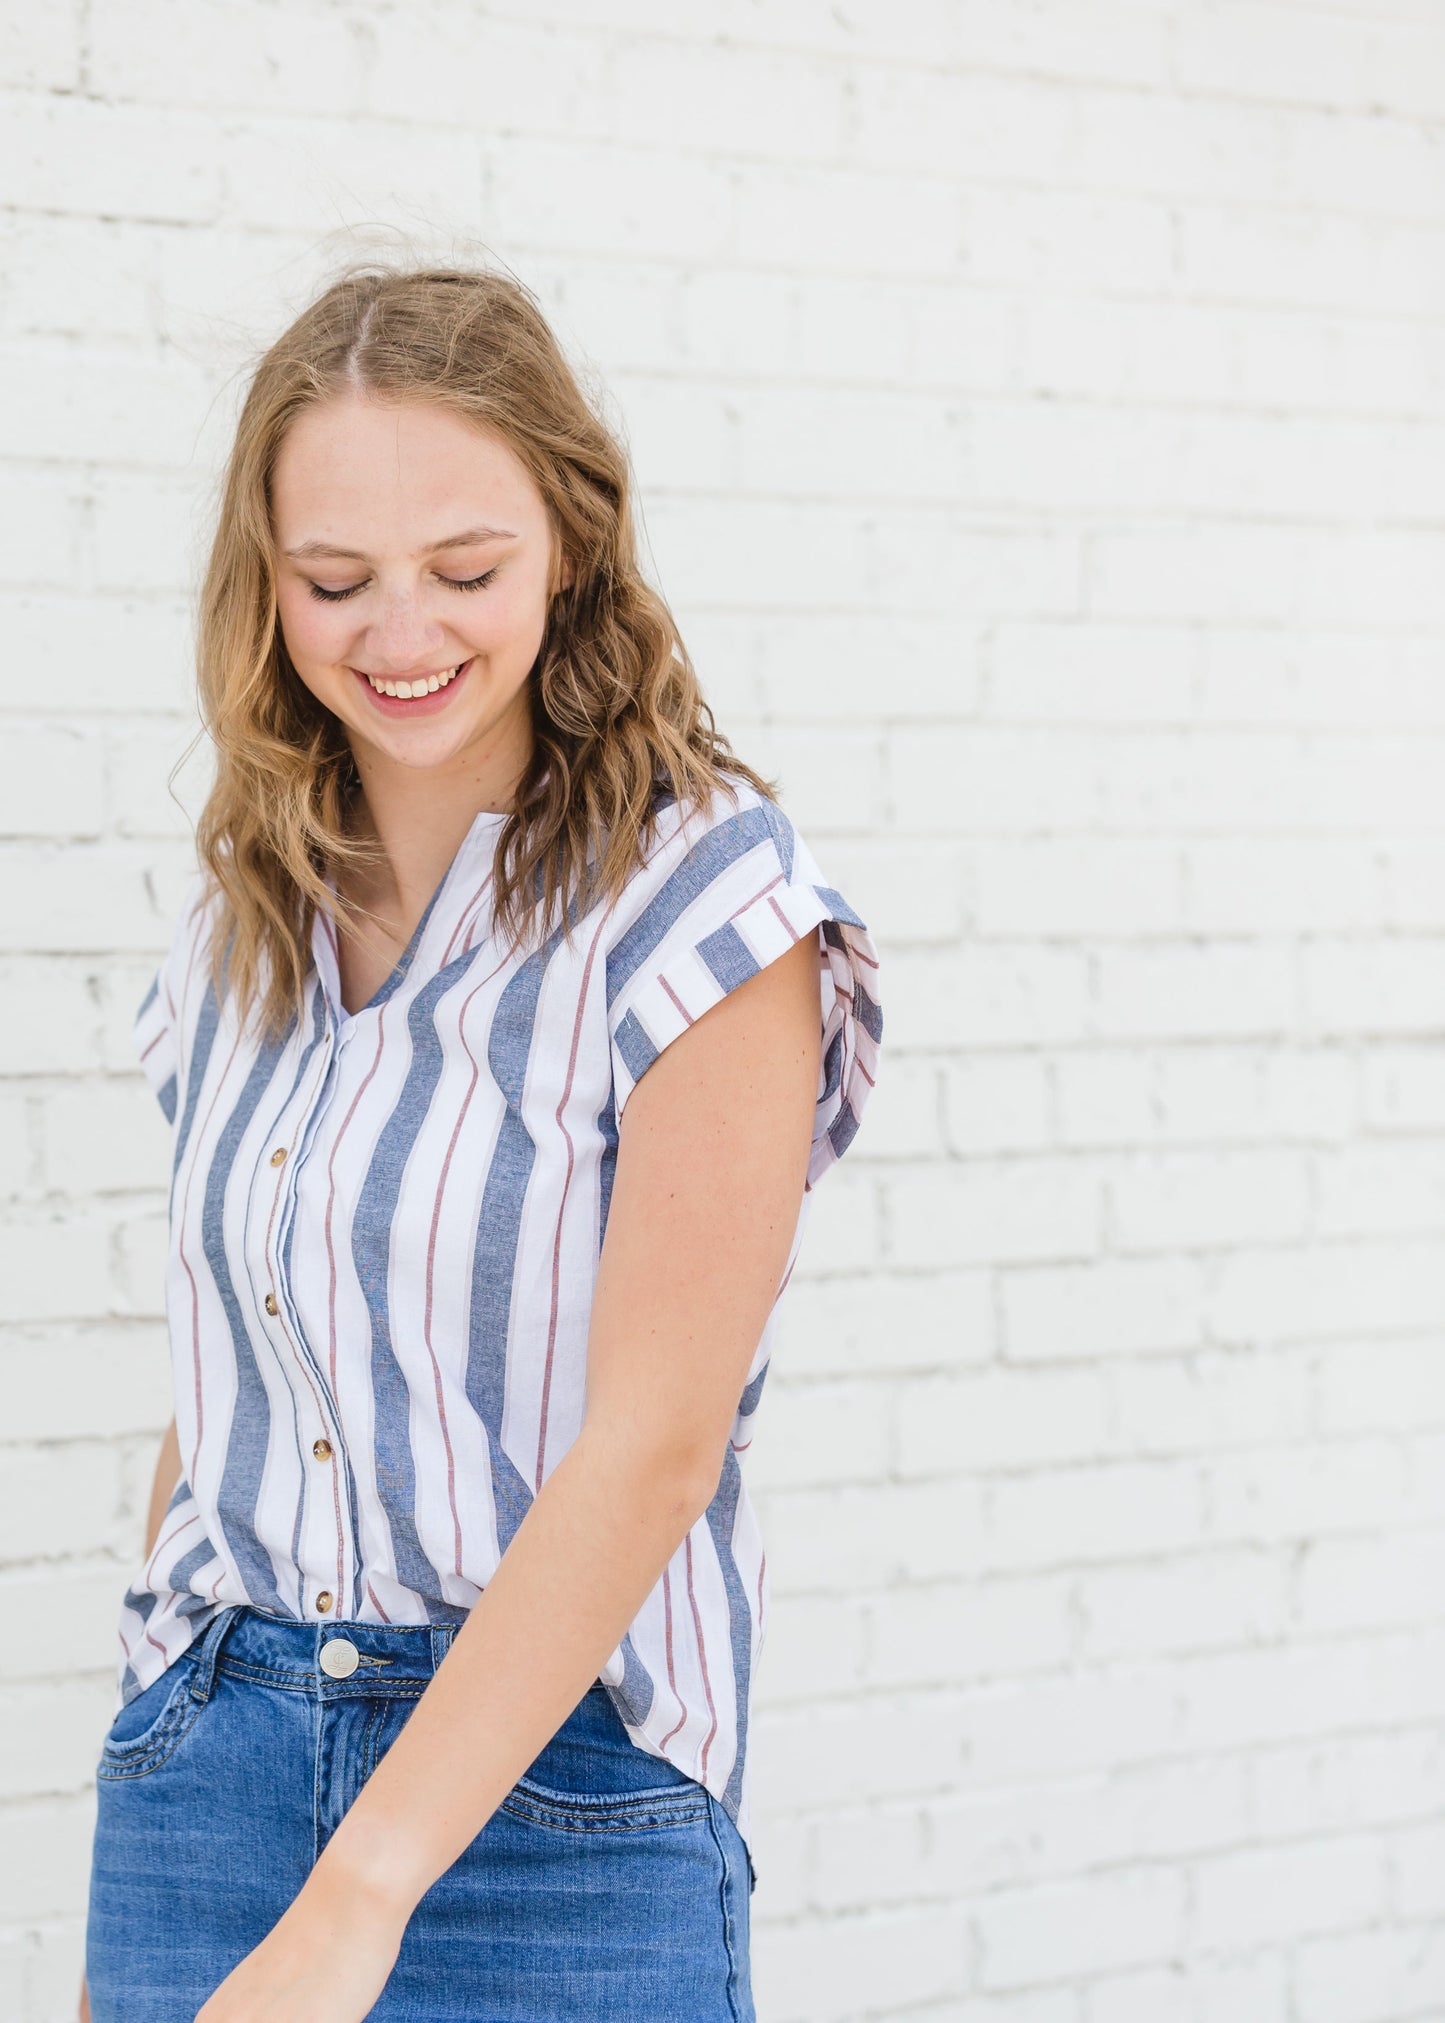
{"x": 421, "y": 684}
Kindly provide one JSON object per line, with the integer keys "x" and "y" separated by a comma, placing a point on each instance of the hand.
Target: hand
{"x": 326, "y": 1960}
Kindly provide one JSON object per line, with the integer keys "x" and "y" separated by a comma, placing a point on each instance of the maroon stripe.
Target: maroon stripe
{"x": 702, "y": 1659}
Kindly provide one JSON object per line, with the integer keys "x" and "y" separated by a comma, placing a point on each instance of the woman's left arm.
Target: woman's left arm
{"x": 712, "y": 1155}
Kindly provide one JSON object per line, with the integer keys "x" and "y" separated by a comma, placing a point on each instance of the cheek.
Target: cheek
{"x": 313, "y": 634}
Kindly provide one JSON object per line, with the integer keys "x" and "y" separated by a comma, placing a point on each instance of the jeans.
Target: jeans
{"x": 607, "y": 1884}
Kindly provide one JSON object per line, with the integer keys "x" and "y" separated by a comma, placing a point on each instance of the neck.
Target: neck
{"x": 421, "y": 817}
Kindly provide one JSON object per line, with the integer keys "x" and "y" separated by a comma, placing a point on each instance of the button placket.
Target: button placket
{"x": 286, "y": 1159}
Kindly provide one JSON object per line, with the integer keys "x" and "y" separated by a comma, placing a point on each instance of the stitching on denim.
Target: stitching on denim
{"x": 726, "y": 1911}
{"x": 242, "y": 1668}
{"x": 147, "y": 1752}
{"x": 369, "y": 1757}
{"x": 336, "y": 1689}
{"x": 624, "y": 1812}
{"x": 571, "y": 1822}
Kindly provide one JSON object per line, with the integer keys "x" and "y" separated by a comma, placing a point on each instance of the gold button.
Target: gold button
{"x": 323, "y": 1600}
{"x": 321, "y": 1449}
{"x": 278, "y": 1157}
{"x": 271, "y": 1306}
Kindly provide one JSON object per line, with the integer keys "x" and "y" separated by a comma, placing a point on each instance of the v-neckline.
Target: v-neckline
{"x": 326, "y": 935}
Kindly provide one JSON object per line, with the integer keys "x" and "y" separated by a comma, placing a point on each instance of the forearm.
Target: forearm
{"x": 580, "y": 1565}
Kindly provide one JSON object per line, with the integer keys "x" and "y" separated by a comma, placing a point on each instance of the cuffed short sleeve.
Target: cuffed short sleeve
{"x": 721, "y": 896}
{"x": 155, "y": 1043}
{"x": 156, "y": 1034}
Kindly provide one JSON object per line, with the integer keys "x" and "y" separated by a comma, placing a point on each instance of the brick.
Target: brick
{"x": 1262, "y": 1894}
{"x": 56, "y": 1834}
{"x": 1000, "y": 1419}
{"x": 886, "y": 1321}
{"x": 68, "y": 1383}
{"x": 922, "y": 1637}
{"x": 905, "y": 1957}
{"x": 1346, "y": 1783}
{"x": 56, "y": 789}
{"x": 1098, "y": 1922}
{"x": 1184, "y": 1201}
{"x": 80, "y": 898}
{"x": 62, "y": 1500}
{"x": 1027, "y": 1209}
{"x": 1207, "y": 1601}
{"x": 1061, "y": 888}
{"x": 51, "y": 1015}
{"x": 1071, "y": 1516}
{"x": 852, "y": 1538}
{"x": 1345, "y": 1978}
{"x": 1183, "y": 991}
{"x": 54, "y": 1268}
{"x": 41, "y": 49}
{"x": 978, "y": 997}
{"x": 1378, "y": 1384}
{"x": 1000, "y": 1105}
{"x": 17, "y": 1135}
{"x": 122, "y": 646}
{"x": 148, "y": 162}
{"x": 1111, "y": 1307}
{"x": 1349, "y": 1584}
{"x": 250, "y": 56}
{"x": 1215, "y": 1399}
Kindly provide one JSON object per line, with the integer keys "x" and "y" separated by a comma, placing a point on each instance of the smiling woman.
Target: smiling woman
{"x": 505, "y": 1035}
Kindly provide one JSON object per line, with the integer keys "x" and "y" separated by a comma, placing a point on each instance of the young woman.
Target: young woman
{"x": 504, "y": 1036}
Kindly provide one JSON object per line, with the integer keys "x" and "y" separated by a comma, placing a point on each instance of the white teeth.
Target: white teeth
{"x": 425, "y": 684}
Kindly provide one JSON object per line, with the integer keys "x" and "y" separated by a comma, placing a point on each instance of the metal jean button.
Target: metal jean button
{"x": 339, "y": 1658}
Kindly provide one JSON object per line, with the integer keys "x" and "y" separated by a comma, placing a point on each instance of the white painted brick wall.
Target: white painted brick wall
{"x": 1040, "y": 418}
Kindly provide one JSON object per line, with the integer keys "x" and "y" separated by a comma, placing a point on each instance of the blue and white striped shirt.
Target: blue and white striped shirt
{"x": 385, "y": 1231}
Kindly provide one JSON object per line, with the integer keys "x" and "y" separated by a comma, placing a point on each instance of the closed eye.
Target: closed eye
{"x": 468, "y": 583}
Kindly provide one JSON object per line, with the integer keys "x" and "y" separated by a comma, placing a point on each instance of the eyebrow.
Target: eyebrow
{"x": 469, "y": 537}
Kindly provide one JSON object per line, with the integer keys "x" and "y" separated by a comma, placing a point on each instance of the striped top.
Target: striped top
{"x": 384, "y": 1236}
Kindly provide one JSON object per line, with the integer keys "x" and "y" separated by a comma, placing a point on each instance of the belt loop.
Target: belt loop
{"x": 441, "y": 1642}
{"x": 209, "y": 1649}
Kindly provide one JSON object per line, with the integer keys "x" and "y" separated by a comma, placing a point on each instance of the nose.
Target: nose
{"x": 403, "y": 638}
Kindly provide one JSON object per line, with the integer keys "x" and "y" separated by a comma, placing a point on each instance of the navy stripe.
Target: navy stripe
{"x": 708, "y": 858}
{"x": 721, "y": 1517}
{"x": 250, "y": 1420}
{"x": 371, "y": 1236}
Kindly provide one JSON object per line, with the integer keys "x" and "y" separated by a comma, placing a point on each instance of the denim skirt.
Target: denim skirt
{"x": 607, "y": 1884}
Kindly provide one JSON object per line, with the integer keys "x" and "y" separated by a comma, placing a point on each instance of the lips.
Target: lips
{"x": 421, "y": 684}
{"x": 419, "y": 695}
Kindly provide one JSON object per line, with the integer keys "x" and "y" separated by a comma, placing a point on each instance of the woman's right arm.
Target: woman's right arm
{"x": 168, "y": 1467}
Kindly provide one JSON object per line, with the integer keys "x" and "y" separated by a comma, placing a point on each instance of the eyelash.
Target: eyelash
{"x": 335, "y": 596}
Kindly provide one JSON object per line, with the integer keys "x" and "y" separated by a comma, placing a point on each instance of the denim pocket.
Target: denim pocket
{"x": 664, "y": 1805}
{"x": 152, "y": 1725}
{"x": 593, "y": 1778}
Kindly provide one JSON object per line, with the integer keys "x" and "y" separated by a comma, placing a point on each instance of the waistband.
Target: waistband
{"x": 365, "y": 1659}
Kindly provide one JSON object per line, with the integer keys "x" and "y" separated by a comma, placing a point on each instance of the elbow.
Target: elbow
{"x": 684, "y": 1481}
{"x": 675, "y": 1478}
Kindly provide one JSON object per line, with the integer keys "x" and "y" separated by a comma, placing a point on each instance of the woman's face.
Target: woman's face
{"x": 382, "y": 516}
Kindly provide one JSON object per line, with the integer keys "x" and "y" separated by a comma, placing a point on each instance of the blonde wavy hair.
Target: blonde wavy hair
{"x": 617, "y": 711}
